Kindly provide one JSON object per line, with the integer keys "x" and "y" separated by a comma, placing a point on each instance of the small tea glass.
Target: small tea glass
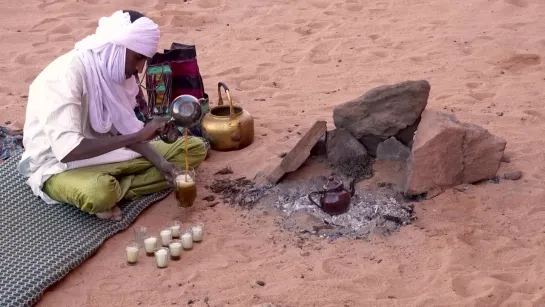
{"x": 175, "y": 248}
{"x": 132, "y": 253}
{"x": 166, "y": 236}
{"x": 176, "y": 227}
{"x": 161, "y": 257}
{"x": 187, "y": 240}
{"x": 150, "y": 243}
{"x": 185, "y": 187}
{"x": 197, "y": 232}
{"x": 140, "y": 232}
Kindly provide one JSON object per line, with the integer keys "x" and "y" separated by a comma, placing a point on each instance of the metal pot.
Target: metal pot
{"x": 228, "y": 127}
{"x": 334, "y": 198}
{"x": 185, "y": 111}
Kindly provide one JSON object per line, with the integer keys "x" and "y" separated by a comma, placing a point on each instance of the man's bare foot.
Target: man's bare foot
{"x": 106, "y": 215}
{"x": 116, "y": 213}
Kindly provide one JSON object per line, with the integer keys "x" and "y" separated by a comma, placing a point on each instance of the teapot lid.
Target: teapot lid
{"x": 332, "y": 184}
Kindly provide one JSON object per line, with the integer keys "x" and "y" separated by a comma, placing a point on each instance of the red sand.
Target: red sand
{"x": 289, "y": 63}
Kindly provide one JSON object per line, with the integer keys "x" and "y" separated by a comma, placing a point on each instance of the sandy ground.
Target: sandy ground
{"x": 288, "y": 63}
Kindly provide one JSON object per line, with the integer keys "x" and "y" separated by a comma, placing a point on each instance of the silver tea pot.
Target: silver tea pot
{"x": 185, "y": 111}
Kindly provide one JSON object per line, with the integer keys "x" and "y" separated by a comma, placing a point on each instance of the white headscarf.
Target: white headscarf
{"x": 111, "y": 95}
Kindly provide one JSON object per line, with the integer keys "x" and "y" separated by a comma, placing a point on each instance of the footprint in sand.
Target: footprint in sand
{"x": 313, "y": 27}
{"x": 320, "y": 4}
{"x": 238, "y": 249}
{"x": 341, "y": 268}
{"x": 380, "y": 54}
{"x": 247, "y": 83}
{"x": 26, "y": 58}
{"x": 45, "y": 24}
{"x": 63, "y": 28}
{"x": 292, "y": 57}
{"x": 480, "y": 96}
{"x": 286, "y": 72}
{"x": 473, "y": 85}
{"x": 109, "y": 286}
{"x": 352, "y": 5}
{"x": 61, "y": 38}
{"x": 514, "y": 256}
{"x": 374, "y": 37}
{"x": 470, "y": 286}
{"x": 193, "y": 21}
{"x": 533, "y": 113}
{"x": 47, "y": 5}
{"x": 235, "y": 70}
{"x": 209, "y": 4}
{"x": 273, "y": 46}
{"x": 520, "y": 62}
{"x": 519, "y": 3}
{"x": 506, "y": 277}
{"x": 320, "y": 53}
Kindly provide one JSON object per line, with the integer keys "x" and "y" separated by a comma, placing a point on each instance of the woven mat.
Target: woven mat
{"x": 41, "y": 243}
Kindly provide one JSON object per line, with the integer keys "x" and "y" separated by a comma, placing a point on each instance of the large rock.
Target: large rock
{"x": 393, "y": 150}
{"x": 383, "y": 111}
{"x": 370, "y": 142}
{"x": 406, "y": 135}
{"x": 343, "y": 147}
{"x": 483, "y": 153}
{"x": 447, "y": 153}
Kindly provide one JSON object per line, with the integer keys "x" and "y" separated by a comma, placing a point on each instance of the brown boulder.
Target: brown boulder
{"x": 393, "y": 150}
{"x": 343, "y": 147}
{"x": 383, "y": 111}
{"x": 447, "y": 153}
{"x": 370, "y": 142}
{"x": 483, "y": 153}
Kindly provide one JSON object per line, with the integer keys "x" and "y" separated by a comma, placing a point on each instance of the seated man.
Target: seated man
{"x": 83, "y": 143}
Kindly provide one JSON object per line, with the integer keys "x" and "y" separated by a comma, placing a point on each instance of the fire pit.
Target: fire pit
{"x": 371, "y": 211}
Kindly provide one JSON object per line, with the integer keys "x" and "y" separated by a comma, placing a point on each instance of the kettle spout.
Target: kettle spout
{"x": 352, "y": 187}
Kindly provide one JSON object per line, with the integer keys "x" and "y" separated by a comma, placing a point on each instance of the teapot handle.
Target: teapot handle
{"x": 165, "y": 134}
{"x": 311, "y": 194}
{"x": 228, "y": 93}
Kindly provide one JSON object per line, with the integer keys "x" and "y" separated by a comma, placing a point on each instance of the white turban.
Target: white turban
{"x": 112, "y": 97}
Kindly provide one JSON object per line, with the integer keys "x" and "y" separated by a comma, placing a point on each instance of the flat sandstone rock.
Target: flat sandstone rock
{"x": 383, "y": 111}
{"x": 447, "y": 153}
{"x": 297, "y": 155}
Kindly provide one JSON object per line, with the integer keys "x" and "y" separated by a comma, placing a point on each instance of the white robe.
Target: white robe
{"x": 84, "y": 94}
{"x": 57, "y": 120}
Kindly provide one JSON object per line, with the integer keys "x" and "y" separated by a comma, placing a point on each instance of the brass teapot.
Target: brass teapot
{"x": 228, "y": 127}
{"x": 334, "y": 198}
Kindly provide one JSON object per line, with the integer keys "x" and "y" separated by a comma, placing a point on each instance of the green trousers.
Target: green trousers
{"x": 98, "y": 188}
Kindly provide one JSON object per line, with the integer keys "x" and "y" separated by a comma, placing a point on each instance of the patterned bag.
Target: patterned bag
{"x": 186, "y": 77}
{"x": 159, "y": 88}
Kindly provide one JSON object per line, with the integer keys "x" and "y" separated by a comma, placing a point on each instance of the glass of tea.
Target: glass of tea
{"x": 185, "y": 187}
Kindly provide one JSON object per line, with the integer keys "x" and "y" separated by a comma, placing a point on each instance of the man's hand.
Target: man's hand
{"x": 153, "y": 128}
{"x": 168, "y": 170}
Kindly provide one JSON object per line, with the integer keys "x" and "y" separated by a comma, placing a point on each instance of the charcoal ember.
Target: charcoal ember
{"x": 240, "y": 191}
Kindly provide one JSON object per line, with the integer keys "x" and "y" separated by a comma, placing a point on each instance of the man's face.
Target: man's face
{"x": 134, "y": 63}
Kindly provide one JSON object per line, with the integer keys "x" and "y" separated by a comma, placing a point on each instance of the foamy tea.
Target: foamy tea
{"x": 186, "y": 191}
